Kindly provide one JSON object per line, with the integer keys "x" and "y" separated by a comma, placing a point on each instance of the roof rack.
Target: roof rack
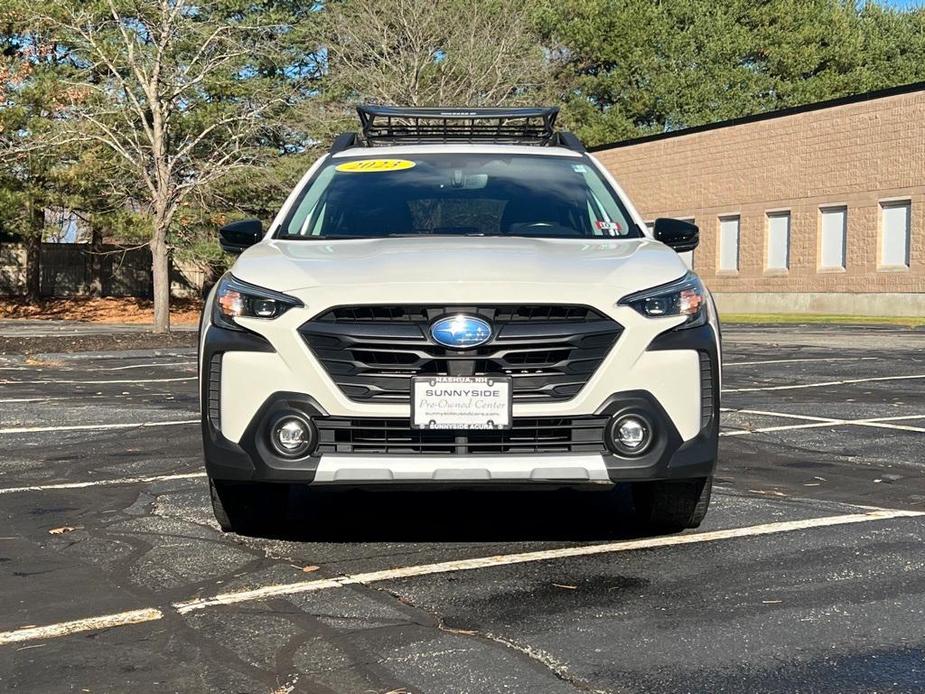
{"x": 390, "y": 125}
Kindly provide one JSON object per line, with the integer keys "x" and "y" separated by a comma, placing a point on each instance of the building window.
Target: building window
{"x": 894, "y": 234}
{"x": 729, "y": 244}
{"x": 832, "y": 246}
{"x": 778, "y": 241}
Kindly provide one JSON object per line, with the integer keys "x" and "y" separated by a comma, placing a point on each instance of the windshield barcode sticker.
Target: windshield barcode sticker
{"x": 612, "y": 228}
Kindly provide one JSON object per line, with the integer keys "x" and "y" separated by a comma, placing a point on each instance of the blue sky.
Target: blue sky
{"x": 903, "y": 4}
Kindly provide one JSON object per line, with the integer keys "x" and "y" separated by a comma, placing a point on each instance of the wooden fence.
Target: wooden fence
{"x": 67, "y": 269}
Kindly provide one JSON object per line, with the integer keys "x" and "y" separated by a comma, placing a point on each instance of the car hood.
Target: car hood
{"x": 629, "y": 264}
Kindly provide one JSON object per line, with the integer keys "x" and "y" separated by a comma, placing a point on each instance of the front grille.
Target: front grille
{"x": 395, "y": 436}
{"x": 550, "y": 351}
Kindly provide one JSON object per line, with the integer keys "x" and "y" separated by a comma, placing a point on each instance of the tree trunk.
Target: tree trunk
{"x": 96, "y": 260}
{"x": 160, "y": 272}
{"x": 34, "y": 253}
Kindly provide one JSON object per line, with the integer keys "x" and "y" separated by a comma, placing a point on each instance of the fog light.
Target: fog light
{"x": 292, "y": 436}
{"x": 630, "y": 435}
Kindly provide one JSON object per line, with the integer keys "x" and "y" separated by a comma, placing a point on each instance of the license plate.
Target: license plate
{"x": 461, "y": 402}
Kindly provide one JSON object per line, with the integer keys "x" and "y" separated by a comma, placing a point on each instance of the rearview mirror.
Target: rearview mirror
{"x": 677, "y": 234}
{"x": 237, "y": 237}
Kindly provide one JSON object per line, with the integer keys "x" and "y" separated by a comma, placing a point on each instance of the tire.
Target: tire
{"x": 671, "y": 506}
{"x": 248, "y": 508}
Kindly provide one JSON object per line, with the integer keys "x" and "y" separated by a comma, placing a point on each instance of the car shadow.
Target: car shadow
{"x": 388, "y": 515}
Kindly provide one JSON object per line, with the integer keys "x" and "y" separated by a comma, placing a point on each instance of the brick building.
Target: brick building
{"x": 817, "y": 209}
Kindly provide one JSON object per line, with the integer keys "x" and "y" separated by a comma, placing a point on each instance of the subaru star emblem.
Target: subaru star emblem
{"x": 461, "y": 332}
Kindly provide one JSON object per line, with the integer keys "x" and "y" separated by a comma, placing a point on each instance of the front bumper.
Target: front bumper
{"x": 678, "y": 369}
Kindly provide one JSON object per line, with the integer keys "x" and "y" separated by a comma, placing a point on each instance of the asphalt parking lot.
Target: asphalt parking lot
{"x": 808, "y": 574}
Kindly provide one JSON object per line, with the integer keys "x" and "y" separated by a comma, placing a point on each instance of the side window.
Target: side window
{"x": 319, "y": 220}
{"x": 305, "y": 219}
{"x": 606, "y": 217}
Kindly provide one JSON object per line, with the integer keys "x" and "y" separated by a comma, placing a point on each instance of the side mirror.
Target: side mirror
{"x": 677, "y": 234}
{"x": 237, "y": 237}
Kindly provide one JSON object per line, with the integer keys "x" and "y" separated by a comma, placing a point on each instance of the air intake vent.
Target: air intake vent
{"x": 215, "y": 391}
{"x": 706, "y": 389}
{"x": 395, "y": 436}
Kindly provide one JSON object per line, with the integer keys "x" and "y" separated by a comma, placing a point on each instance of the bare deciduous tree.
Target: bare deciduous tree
{"x": 424, "y": 53}
{"x": 183, "y": 92}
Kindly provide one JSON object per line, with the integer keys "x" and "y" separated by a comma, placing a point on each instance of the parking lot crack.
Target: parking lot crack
{"x": 537, "y": 656}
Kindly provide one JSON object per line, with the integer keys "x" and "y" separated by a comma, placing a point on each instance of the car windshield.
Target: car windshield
{"x": 458, "y": 195}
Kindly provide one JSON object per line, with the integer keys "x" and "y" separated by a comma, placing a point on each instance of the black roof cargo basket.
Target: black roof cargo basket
{"x": 387, "y": 124}
{"x": 390, "y": 125}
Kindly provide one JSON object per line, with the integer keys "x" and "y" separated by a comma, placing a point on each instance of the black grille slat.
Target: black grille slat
{"x": 215, "y": 391}
{"x": 395, "y": 436}
{"x": 550, "y": 351}
{"x": 706, "y": 389}
{"x": 373, "y": 314}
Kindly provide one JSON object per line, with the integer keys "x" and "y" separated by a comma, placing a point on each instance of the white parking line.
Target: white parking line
{"x": 786, "y": 415}
{"x": 786, "y": 427}
{"x": 820, "y": 422}
{"x": 101, "y": 483}
{"x": 108, "y": 621}
{"x": 879, "y": 425}
{"x": 95, "y": 427}
{"x": 33, "y": 633}
{"x": 823, "y": 384}
{"x": 793, "y": 361}
{"x": 56, "y": 381}
{"x": 149, "y": 365}
{"x": 54, "y": 398}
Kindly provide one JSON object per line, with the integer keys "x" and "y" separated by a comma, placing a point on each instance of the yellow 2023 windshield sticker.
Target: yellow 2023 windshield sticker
{"x": 371, "y": 165}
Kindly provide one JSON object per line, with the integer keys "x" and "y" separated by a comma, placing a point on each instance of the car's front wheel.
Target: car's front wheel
{"x": 248, "y": 507}
{"x": 672, "y": 505}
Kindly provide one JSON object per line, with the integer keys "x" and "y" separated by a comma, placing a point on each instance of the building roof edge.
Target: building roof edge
{"x": 767, "y": 115}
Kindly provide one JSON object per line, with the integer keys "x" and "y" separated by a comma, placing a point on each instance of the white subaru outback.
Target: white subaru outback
{"x": 459, "y": 298}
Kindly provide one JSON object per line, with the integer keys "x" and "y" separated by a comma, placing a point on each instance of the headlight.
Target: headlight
{"x": 234, "y": 298}
{"x": 683, "y": 297}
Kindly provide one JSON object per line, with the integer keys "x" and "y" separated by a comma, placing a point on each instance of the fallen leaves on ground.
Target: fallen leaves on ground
{"x": 63, "y": 529}
{"x": 110, "y": 309}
